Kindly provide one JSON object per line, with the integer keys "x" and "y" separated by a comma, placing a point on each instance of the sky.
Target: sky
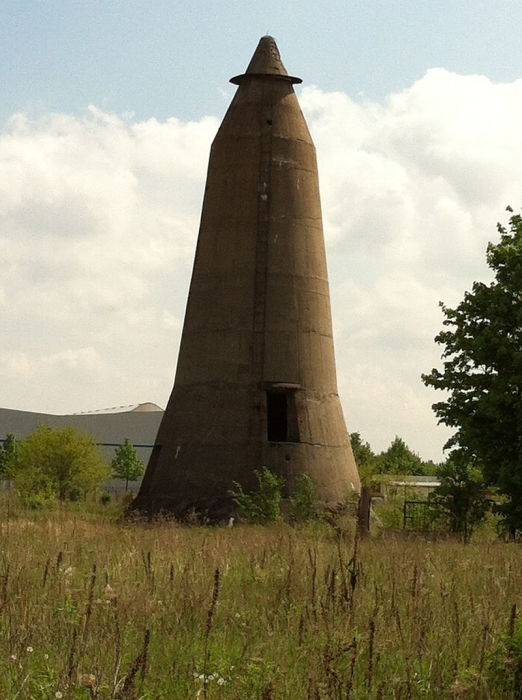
{"x": 107, "y": 112}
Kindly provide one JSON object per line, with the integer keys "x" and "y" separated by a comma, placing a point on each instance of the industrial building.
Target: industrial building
{"x": 109, "y": 427}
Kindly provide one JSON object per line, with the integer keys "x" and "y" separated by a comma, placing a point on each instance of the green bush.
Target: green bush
{"x": 263, "y": 505}
{"x": 303, "y": 501}
{"x": 57, "y": 464}
{"x": 7, "y": 455}
{"x": 505, "y": 666}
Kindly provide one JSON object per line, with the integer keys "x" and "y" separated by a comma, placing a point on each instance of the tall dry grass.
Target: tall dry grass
{"x": 90, "y": 607}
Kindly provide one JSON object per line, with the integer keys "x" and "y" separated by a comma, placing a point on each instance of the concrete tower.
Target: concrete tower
{"x": 255, "y": 383}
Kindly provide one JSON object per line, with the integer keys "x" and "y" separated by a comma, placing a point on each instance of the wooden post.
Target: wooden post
{"x": 363, "y": 511}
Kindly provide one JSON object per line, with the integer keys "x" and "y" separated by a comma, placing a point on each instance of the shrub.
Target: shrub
{"x": 59, "y": 464}
{"x": 7, "y": 455}
{"x": 505, "y": 666}
{"x": 263, "y": 505}
{"x": 303, "y": 501}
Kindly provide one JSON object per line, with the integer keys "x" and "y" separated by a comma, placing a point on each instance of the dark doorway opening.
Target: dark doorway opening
{"x": 276, "y": 416}
{"x": 281, "y": 416}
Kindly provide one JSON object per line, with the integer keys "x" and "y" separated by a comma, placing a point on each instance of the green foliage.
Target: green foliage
{"x": 362, "y": 451}
{"x": 263, "y": 505}
{"x": 126, "y": 464}
{"x": 399, "y": 459}
{"x": 430, "y": 468}
{"x": 390, "y": 513}
{"x": 461, "y": 494}
{"x": 303, "y": 501}
{"x": 7, "y": 455}
{"x": 483, "y": 372}
{"x": 300, "y": 613}
{"x": 59, "y": 463}
{"x": 364, "y": 458}
{"x": 505, "y": 665}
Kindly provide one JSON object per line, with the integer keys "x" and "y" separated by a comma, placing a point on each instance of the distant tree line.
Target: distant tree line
{"x": 462, "y": 496}
{"x": 398, "y": 458}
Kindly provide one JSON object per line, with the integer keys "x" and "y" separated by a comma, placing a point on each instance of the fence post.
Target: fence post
{"x": 363, "y": 511}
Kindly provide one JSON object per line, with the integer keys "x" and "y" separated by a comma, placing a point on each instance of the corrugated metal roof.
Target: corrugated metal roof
{"x": 142, "y": 407}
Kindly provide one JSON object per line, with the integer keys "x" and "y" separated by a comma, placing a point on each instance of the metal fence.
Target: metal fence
{"x": 420, "y": 516}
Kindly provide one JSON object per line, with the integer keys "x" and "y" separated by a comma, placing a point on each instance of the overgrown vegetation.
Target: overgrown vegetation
{"x": 396, "y": 459}
{"x": 461, "y": 495}
{"x": 56, "y": 464}
{"x": 93, "y": 607}
{"x": 482, "y": 373}
{"x": 505, "y": 664}
{"x": 263, "y": 505}
{"x": 7, "y": 455}
{"x": 303, "y": 502}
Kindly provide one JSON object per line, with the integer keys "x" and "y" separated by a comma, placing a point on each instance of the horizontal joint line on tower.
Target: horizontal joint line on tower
{"x": 305, "y": 442}
{"x": 311, "y": 330}
{"x": 295, "y": 218}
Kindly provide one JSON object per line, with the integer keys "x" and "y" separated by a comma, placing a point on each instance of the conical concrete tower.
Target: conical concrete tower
{"x": 255, "y": 383}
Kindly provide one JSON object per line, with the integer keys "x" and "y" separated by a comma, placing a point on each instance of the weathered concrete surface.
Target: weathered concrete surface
{"x": 255, "y": 383}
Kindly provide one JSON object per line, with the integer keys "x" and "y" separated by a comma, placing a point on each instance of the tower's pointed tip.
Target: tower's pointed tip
{"x": 266, "y": 61}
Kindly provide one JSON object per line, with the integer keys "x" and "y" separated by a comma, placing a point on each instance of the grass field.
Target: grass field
{"x": 92, "y": 607}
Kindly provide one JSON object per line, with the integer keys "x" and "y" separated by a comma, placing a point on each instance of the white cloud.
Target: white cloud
{"x": 99, "y": 217}
{"x": 412, "y": 190}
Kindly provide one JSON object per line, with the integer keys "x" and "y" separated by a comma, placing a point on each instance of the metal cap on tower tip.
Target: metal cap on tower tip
{"x": 266, "y": 61}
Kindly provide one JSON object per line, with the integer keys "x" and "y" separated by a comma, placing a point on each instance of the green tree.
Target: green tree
{"x": 126, "y": 463}
{"x": 399, "y": 459}
{"x": 7, "y": 455}
{"x": 430, "y": 468}
{"x": 263, "y": 505}
{"x": 57, "y": 463}
{"x": 461, "y": 494}
{"x": 483, "y": 372}
{"x": 362, "y": 451}
{"x": 364, "y": 458}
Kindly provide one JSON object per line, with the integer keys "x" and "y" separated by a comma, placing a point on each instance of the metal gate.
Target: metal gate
{"x": 419, "y": 516}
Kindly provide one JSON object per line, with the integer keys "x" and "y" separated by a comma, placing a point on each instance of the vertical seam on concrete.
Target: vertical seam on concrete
{"x": 261, "y": 262}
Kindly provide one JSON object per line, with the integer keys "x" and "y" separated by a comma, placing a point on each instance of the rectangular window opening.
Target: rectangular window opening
{"x": 281, "y": 416}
